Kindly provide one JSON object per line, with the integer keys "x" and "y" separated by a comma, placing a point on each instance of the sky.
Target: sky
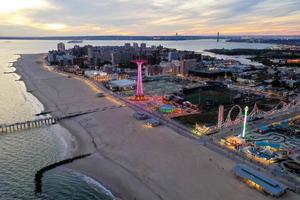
{"x": 149, "y": 17}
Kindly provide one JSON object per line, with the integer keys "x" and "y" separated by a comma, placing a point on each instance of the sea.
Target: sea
{"x": 23, "y": 153}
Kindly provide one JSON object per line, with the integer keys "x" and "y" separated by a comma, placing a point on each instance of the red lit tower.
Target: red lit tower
{"x": 139, "y": 94}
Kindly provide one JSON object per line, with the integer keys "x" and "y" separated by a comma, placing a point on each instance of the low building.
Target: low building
{"x": 245, "y": 80}
{"x": 171, "y": 68}
{"x": 186, "y": 65}
{"x": 92, "y": 73}
{"x": 153, "y": 70}
{"x": 173, "y": 55}
{"x": 65, "y": 59}
{"x": 120, "y": 85}
{"x": 258, "y": 181}
{"x": 293, "y": 61}
{"x": 51, "y": 57}
{"x": 292, "y": 83}
{"x": 210, "y": 72}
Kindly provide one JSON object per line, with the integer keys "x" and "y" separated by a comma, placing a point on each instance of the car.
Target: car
{"x": 152, "y": 122}
{"x": 100, "y": 95}
{"x": 140, "y": 115}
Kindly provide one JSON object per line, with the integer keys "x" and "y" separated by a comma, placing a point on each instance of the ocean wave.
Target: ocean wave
{"x": 92, "y": 182}
{"x": 64, "y": 146}
{"x": 65, "y": 138}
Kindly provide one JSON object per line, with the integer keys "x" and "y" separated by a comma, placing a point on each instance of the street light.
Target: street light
{"x": 245, "y": 122}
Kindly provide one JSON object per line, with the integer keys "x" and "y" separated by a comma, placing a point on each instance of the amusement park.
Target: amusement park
{"x": 168, "y": 105}
{"x": 206, "y": 108}
{"x": 276, "y": 144}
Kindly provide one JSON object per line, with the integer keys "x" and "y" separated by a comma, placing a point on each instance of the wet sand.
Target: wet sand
{"x": 135, "y": 162}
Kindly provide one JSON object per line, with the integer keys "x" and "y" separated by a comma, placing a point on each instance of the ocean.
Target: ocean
{"x": 23, "y": 153}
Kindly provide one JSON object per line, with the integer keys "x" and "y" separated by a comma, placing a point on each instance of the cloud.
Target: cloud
{"x": 150, "y": 17}
{"x": 10, "y": 6}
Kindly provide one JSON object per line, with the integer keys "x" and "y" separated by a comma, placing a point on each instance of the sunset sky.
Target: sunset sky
{"x": 149, "y": 17}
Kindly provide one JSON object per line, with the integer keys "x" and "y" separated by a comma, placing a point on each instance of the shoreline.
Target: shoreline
{"x": 30, "y": 89}
{"x": 91, "y": 181}
{"x": 36, "y": 104}
{"x": 133, "y": 161}
{"x": 68, "y": 141}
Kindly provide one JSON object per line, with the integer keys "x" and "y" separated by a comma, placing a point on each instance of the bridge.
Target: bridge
{"x": 37, "y": 123}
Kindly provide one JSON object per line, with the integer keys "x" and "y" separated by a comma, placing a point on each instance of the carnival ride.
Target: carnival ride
{"x": 275, "y": 145}
{"x": 255, "y": 113}
{"x": 167, "y": 108}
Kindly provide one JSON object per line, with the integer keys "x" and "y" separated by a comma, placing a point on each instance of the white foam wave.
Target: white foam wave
{"x": 65, "y": 139}
{"x": 94, "y": 183}
{"x": 64, "y": 146}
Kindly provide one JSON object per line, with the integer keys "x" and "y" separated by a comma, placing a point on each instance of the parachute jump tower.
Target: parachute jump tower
{"x": 139, "y": 93}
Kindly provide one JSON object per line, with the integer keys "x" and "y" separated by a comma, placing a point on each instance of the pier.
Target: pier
{"x": 20, "y": 126}
{"x": 38, "y": 123}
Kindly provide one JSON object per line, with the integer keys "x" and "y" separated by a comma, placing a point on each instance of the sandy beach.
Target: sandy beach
{"x": 133, "y": 161}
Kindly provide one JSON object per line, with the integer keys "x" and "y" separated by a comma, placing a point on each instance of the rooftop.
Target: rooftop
{"x": 123, "y": 83}
{"x": 271, "y": 186}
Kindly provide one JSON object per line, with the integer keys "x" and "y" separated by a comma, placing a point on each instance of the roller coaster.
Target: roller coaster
{"x": 255, "y": 113}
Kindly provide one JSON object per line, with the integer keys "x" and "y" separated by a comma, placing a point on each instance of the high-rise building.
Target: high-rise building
{"x": 173, "y": 56}
{"x": 51, "y": 57}
{"x": 90, "y": 52}
{"x": 143, "y": 45}
{"x": 116, "y": 58}
{"x": 135, "y": 45}
{"x": 186, "y": 65}
{"x": 218, "y": 37}
{"x": 65, "y": 59}
{"x": 127, "y": 45}
{"x": 61, "y": 47}
{"x": 105, "y": 55}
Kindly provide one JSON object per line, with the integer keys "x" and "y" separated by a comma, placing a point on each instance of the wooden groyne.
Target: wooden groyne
{"x": 39, "y": 174}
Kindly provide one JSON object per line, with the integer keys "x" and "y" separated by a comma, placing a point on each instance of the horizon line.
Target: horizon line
{"x": 209, "y": 35}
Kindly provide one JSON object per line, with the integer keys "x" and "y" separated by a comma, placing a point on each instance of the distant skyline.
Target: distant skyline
{"x": 149, "y": 17}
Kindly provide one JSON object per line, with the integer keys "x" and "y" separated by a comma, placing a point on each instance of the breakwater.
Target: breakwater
{"x": 39, "y": 174}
